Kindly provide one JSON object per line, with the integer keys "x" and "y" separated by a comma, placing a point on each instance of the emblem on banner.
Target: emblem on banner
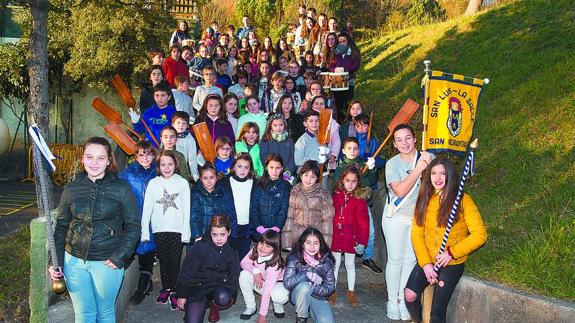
{"x": 454, "y": 120}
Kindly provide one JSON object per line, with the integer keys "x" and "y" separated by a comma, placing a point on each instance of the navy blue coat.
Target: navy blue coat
{"x": 138, "y": 178}
{"x": 296, "y": 273}
{"x": 205, "y": 205}
{"x": 269, "y": 205}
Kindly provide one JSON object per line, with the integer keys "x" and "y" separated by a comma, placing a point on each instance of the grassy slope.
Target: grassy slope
{"x": 525, "y": 171}
{"x": 14, "y": 276}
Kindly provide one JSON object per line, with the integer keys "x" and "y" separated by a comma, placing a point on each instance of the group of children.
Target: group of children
{"x": 238, "y": 212}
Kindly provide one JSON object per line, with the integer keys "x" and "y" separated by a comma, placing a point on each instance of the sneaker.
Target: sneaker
{"x": 403, "y": 312}
{"x": 279, "y": 315}
{"x": 371, "y": 265}
{"x": 174, "y": 302}
{"x": 248, "y": 313}
{"x": 393, "y": 310}
{"x": 164, "y": 296}
{"x": 279, "y": 311}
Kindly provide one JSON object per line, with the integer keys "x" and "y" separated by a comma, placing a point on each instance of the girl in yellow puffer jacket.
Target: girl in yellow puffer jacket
{"x": 436, "y": 196}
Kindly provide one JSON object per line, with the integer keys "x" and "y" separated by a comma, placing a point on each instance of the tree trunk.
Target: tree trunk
{"x": 473, "y": 7}
{"x": 39, "y": 99}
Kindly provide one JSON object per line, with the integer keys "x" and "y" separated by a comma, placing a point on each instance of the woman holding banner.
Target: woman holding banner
{"x": 434, "y": 204}
{"x": 402, "y": 174}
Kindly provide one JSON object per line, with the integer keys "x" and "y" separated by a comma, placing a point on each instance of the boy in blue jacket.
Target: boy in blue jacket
{"x": 156, "y": 117}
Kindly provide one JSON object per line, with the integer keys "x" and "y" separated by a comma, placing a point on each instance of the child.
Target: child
{"x": 347, "y": 128}
{"x": 155, "y": 76}
{"x": 272, "y": 96}
{"x": 168, "y": 138}
{"x": 238, "y": 88}
{"x": 314, "y": 90}
{"x": 214, "y": 115}
{"x": 182, "y": 97}
{"x": 232, "y": 61}
{"x": 309, "y": 205}
{"x": 254, "y": 114}
{"x": 309, "y": 275}
{"x": 350, "y": 226}
{"x": 294, "y": 121}
{"x": 276, "y": 140}
{"x": 240, "y": 185}
{"x": 232, "y": 111}
{"x": 156, "y": 117}
{"x": 167, "y": 209}
{"x": 201, "y": 61}
{"x": 307, "y": 147}
{"x": 209, "y": 274}
{"x": 248, "y": 141}
{"x": 249, "y": 90}
{"x": 350, "y": 152}
{"x": 262, "y": 81}
{"x": 291, "y": 89}
{"x": 366, "y": 149}
{"x": 138, "y": 174}
{"x": 185, "y": 143}
{"x": 174, "y": 66}
{"x": 263, "y": 270}
{"x": 318, "y": 103}
{"x": 269, "y": 206}
{"x": 209, "y": 198}
{"x": 222, "y": 77}
{"x": 209, "y": 87}
{"x": 434, "y": 203}
{"x": 294, "y": 71}
{"x": 224, "y": 153}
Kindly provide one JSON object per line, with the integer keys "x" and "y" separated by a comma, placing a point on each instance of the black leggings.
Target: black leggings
{"x": 147, "y": 262}
{"x": 417, "y": 282}
{"x": 170, "y": 255}
{"x": 195, "y": 311}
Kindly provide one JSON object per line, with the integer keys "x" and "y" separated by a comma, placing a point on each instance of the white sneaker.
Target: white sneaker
{"x": 393, "y": 310}
{"x": 403, "y": 312}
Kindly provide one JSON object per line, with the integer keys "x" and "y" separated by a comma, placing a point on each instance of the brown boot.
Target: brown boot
{"x": 332, "y": 298}
{"x": 352, "y": 298}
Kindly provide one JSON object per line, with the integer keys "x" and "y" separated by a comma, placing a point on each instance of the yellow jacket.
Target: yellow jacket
{"x": 467, "y": 234}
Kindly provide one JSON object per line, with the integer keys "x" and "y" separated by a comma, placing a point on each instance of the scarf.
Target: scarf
{"x": 279, "y": 137}
{"x": 183, "y": 134}
{"x": 310, "y": 260}
{"x": 341, "y": 49}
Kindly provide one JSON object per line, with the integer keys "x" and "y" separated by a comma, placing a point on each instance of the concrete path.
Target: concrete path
{"x": 369, "y": 287}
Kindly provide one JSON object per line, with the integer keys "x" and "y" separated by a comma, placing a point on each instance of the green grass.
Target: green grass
{"x": 525, "y": 173}
{"x": 14, "y": 276}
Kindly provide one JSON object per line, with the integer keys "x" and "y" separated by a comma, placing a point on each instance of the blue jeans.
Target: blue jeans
{"x": 369, "y": 252}
{"x": 304, "y": 303}
{"x": 93, "y": 288}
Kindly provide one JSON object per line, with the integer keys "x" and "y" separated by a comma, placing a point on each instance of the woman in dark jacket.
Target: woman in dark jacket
{"x": 309, "y": 275}
{"x": 137, "y": 175}
{"x": 96, "y": 232}
{"x": 346, "y": 56}
{"x": 270, "y": 199}
{"x": 209, "y": 197}
{"x": 210, "y": 273}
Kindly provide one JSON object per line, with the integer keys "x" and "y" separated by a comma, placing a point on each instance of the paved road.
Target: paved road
{"x": 18, "y": 205}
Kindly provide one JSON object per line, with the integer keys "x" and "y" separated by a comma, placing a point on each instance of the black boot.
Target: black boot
{"x": 144, "y": 288}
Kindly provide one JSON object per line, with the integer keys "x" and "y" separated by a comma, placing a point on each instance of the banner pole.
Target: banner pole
{"x": 427, "y": 70}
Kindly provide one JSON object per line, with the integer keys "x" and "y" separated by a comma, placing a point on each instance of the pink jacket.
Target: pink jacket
{"x": 271, "y": 276}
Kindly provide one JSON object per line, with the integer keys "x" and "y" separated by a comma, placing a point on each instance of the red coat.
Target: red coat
{"x": 350, "y": 223}
{"x": 172, "y": 69}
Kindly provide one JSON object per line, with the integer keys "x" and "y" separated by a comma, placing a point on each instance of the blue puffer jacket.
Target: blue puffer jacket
{"x": 138, "y": 178}
{"x": 205, "y": 205}
{"x": 269, "y": 205}
{"x": 296, "y": 273}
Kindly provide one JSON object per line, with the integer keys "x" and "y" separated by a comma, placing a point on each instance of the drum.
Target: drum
{"x": 339, "y": 81}
{"x": 298, "y": 50}
{"x": 325, "y": 81}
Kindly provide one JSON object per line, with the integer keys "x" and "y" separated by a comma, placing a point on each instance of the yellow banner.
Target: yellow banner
{"x": 451, "y": 107}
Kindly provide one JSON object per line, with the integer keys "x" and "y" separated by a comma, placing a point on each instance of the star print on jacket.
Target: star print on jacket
{"x": 168, "y": 200}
